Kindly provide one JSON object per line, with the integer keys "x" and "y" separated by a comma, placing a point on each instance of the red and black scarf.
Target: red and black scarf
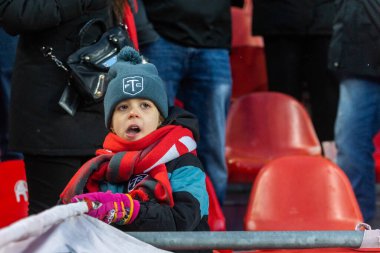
{"x": 120, "y": 160}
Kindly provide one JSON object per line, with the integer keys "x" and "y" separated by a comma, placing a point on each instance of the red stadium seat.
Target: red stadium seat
{"x": 302, "y": 193}
{"x": 242, "y": 26}
{"x": 248, "y": 70}
{"x": 216, "y": 219}
{"x": 13, "y": 192}
{"x": 263, "y": 126}
{"x": 247, "y": 56}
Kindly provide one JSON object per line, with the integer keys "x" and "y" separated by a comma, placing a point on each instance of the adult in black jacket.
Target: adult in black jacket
{"x": 355, "y": 57}
{"x": 296, "y": 36}
{"x": 54, "y": 143}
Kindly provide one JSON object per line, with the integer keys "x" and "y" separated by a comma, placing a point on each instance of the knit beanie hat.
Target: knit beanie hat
{"x": 130, "y": 78}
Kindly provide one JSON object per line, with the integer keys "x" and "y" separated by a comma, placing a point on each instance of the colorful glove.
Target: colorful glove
{"x": 110, "y": 207}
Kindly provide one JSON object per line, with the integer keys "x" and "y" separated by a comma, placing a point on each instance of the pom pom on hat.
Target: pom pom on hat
{"x": 129, "y": 54}
{"x": 130, "y": 78}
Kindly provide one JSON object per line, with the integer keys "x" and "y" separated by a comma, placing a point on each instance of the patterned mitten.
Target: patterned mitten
{"x": 110, "y": 207}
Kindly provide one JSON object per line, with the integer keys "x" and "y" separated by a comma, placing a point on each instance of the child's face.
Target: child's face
{"x": 135, "y": 118}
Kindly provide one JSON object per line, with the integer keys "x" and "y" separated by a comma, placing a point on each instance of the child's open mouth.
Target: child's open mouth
{"x": 133, "y": 129}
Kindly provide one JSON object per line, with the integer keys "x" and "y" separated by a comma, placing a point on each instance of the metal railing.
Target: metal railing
{"x": 247, "y": 240}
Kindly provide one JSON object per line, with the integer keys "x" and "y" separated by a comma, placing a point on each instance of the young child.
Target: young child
{"x": 147, "y": 177}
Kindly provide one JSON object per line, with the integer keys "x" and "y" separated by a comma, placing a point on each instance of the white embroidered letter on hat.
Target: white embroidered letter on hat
{"x": 133, "y": 85}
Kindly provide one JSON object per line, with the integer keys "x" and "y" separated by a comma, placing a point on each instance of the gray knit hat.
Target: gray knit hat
{"x": 130, "y": 78}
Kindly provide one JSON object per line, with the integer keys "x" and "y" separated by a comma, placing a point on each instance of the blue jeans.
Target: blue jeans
{"x": 357, "y": 123}
{"x": 8, "y": 45}
{"x": 201, "y": 79}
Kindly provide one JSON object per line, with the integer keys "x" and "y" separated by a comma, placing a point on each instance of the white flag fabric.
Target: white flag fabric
{"x": 66, "y": 229}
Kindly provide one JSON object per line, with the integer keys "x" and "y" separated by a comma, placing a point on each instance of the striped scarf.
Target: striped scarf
{"x": 121, "y": 160}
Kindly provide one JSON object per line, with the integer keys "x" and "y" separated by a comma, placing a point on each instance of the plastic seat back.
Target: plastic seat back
{"x": 13, "y": 192}
{"x": 302, "y": 193}
{"x": 248, "y": 66}
{"x": 263, "y": 126}
{"x": 248, "y": 70}
{"x": 216, "y": 219}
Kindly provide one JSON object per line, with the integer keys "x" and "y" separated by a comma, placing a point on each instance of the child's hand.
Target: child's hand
{"x": 110, "y": 207}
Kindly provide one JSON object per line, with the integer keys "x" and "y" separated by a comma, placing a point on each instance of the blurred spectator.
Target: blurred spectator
{"x": 296, "y": 36}
{"x": 8, "y": 46}
{"x": 54, "y": 143}
{"x": 191, "y": 53}
{"x": 355, "y": 56}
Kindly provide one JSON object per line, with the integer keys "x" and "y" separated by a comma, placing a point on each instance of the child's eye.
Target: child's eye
{"x": 123, "y": 107}
{"x": 145, "y": 105}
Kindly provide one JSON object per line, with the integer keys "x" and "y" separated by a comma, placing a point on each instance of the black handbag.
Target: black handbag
{"x": 88, "y": 66}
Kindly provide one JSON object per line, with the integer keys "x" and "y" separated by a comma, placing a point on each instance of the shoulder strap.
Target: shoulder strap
{"x": 91, "y": 32}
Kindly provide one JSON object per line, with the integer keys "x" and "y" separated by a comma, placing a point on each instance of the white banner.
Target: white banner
{"x": 66, "y": 229}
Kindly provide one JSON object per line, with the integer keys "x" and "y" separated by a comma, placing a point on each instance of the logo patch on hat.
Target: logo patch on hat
{"x": 133, "y": 85}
